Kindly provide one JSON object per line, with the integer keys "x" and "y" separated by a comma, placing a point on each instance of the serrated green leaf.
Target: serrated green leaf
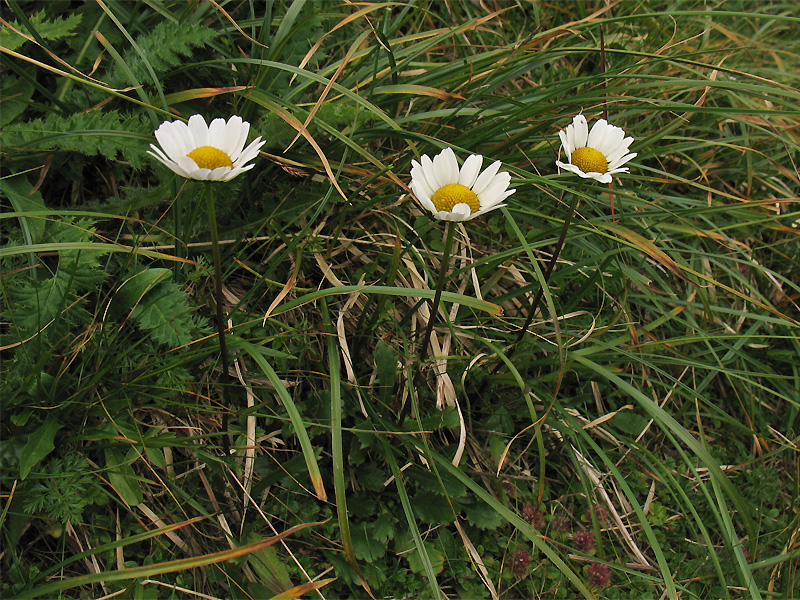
{"x": 88, "y": 133}
{"x": 133, "y": 288}
{"x": 483, "y": 516}
{"x": 433, "y": 508}
{"x": 164, "y": 46}
{"x": 448, "y": 417}
{"x": 131, "y": 291}
{"x": 49, "y": 30}
{"x": 445, "y": 484}
{"x": 383, "y": 527}
{"x": 365, "y": 545}
{"x": 164, "y": 314}
{"x": 39, "y": 304}
{"x": 371, "y": 477}
{"x": 416, "y": 563}
{"x": 39, "y": 445}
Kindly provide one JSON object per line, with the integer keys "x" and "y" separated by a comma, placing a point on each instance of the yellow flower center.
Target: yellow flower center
{"x": 208, "y": 157}
{"x": 447, "y": 196}
{"x": 589, "y": 160}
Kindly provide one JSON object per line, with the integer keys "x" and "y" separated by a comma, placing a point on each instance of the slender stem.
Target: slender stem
{"x": 548, "y": 271}
{"x": 443, "y": 268}
{"x": 223, "y": 347}
{"x": 423, "y": 350}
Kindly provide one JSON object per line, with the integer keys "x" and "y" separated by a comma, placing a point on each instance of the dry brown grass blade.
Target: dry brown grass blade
{"x": 348, "y": 19}
{"x": 299, "y": 590}
{"x": 345, "y": 61}
{"x": 294, "y": 122}
{"x": 236, "y": 25}
{"x": 476, "y": 560}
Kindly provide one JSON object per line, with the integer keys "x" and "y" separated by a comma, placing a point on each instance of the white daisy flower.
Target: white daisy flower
{"x": 213, "y": 152}
{"x": 454, "y": 194}
{"x": 596, "y": 154}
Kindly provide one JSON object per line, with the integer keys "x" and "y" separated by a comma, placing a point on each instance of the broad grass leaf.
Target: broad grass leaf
{"x": 134, "y": 288}
{"x": 19, "y": 192}
{"x": 629, "y": 422}
{"x": 269, "y": 567}
{"x": 443, "y": 484}
{"x": 386, "y": 364}
{"x": 39, "y": 445}
{"x": 16, "y": 94}
{"x": 122, "y": 478}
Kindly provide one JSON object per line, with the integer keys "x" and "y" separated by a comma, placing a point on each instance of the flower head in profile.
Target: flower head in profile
{"x": 213, "y": 152}
{"x": 454, "y": 194}
{"x": 596, "y": 154}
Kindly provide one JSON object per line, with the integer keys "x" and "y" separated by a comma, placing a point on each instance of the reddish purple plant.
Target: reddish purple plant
{"x": 600, "y": 511}
{"x": 533, "y": 516}
{"x": 599, "y": 574}
{"x": 520, "y": 561}
{"x": 561, "y": 523}
{"x": 584, "y": 540}
{"x": 509, "y": 489}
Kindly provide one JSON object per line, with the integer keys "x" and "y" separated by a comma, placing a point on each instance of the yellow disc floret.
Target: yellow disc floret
{"x": 447, "y": 196}
{"x": 208, "y": 157}
{"x": 589, "y": 160}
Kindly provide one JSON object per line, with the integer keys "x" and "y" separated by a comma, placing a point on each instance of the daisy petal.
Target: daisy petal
{"x": 198, "y": 130}
{"x": 483, "y": 211}
{"x": 580, "y": 132}
{"x": 493, "y": 193}
{"x": 485, "y": 178}
{"x": 461, "y": 212}
{"x": 470, "y": 169}
{"x": 621, "y": 161}
{"x": 430, "y": 176}
{"x": 418, "y": 179}
{"x": 429, "y": 172}
{"x": 446, "y": 167}
{"x": 565, "y": 143}
{"x": 597, "y": 134}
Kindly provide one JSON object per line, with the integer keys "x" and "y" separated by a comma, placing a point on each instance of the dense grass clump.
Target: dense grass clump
{"x": 593, "y": 391}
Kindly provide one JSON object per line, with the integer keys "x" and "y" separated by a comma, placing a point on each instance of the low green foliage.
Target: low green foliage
{"x": 640, "y": 440}
{"x": 37, "y": 24}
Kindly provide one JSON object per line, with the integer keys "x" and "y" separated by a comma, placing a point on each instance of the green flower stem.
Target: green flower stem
{"x": 223, "y": 348}
{"x": 443, "y": 267}
{"x": 548, "y": 271}
{"x": 423, "y": 350}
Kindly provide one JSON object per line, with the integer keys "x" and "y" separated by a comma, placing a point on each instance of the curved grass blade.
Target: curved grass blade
{"x": 183, "y": 564}
{"x": 409, "y": 513}
{"x": 294, "y": 416}
{"x": 337, "y": 452}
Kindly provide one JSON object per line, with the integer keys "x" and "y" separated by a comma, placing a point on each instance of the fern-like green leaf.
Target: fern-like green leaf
{"x": 89, "y": 133}
{"x": 164, "y": 48}
{"x": 53, "y": 30}
{"x": 50, "y": 306}
{"x": 164, "y": 313}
